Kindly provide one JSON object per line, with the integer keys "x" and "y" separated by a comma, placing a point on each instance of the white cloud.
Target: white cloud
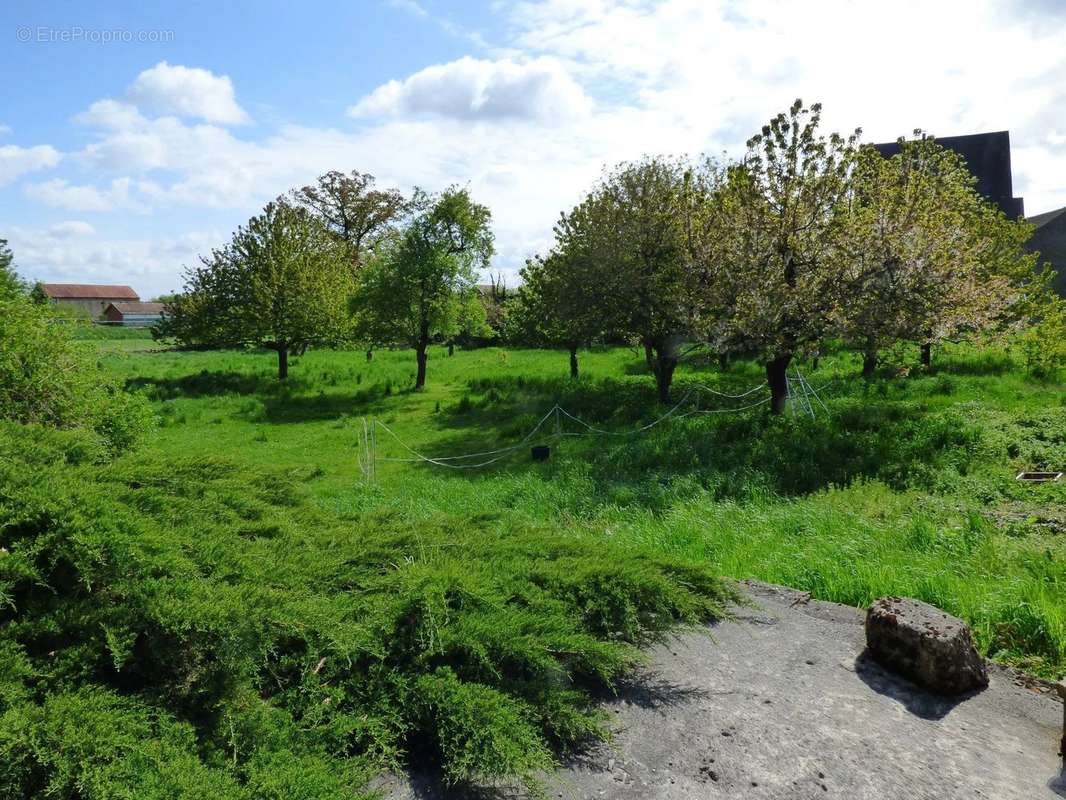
{"x": 16, "y": 161}
{"x": 152, "y": 266}
{"x": 71, "y": 229}
{"x": 718, "y": 70}
{"x": 411, "y": 7}
{"x": 122, "y": 193}
{"x": 472, "y": 88}
{"x": 4, "y": 129}
{"x": 187, "y": 92}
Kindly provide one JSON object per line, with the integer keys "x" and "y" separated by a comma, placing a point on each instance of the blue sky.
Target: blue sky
{"x": 134, "y": 137}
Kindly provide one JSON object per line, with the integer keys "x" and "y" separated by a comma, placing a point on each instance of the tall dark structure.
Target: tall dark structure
{"x": 988, "y": 157}
{"x": 1049, "y": 239}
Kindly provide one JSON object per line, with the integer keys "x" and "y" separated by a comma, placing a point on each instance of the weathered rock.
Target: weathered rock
{"x": 924, "y": 644}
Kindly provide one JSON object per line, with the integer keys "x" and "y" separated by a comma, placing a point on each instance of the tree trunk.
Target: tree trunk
{"x": 777, "y": 378}
{"x": 420, "y": 354}
{"x": 573, "y": 361}
{"x": 283, "y": 362}
{"x": 664, "y": 376}
{"x": 869, "y": 362}
{"x": 451, "y": 348}
{"x": 723, "y": 361}
{"x": 927, "y": 353}
{"x": 369, "y": 355}
{"x": 649, "y": 356}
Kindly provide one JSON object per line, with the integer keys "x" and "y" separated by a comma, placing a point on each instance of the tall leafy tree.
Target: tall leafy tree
{"x": 928, "y": 258}
{"x": 352, "y": 210}
{"x": 281, "y": 283}
{"x": 11, "y": 285}
{"x": 558, "y": 304}
{"x": 628, "y": 242}
{"x": 772, "y": 271}
{"x": 414, "y": 287}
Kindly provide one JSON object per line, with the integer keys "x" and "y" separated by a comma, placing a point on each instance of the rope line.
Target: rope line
{"x": 369, "y": 445}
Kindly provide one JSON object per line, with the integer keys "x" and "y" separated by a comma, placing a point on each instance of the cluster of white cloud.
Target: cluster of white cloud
{"x": 70, "y": 249}
{"x": 17, "y": 161}
{"x": 575, "y": 86}
{"x": 471, "y": 88}
{"x": 190, "y": 92}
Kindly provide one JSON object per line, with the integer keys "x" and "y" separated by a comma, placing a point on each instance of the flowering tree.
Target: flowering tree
{"x": 927, "y": 258}
{"x": 769, "y": 245}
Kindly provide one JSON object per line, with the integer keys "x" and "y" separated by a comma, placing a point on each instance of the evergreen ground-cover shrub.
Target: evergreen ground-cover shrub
{"x": 191, "y": 626}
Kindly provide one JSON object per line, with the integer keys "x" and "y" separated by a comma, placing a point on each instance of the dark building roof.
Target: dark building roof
{"x": 1040, "y": 220}
{"x": 88, "y": 291}
{"x": 988, "y": 157}
{"x": 138, "y": 308}
{"x": 1049, "y": 239}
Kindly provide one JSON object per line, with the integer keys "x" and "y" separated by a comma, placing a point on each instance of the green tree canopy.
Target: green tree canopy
{"x": 11, "y": 285}
{"x": 352, "y": 210}
{"x": 928, "y": 258}
{"x": 621, "y": 261}
{"x": 771, "y": 253}
{"x": 559, "y": 303}
{"x": 415, "y": 286}
{"x": 281, "y": 283}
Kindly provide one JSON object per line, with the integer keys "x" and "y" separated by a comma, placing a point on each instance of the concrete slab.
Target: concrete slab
{"x": 782, "y": 703}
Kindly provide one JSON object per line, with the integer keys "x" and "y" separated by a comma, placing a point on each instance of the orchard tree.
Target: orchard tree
{"x": 11, "y": 285}
{"x": 771, "y": 267}
{"x": 352, "y": 210}
{"x": 629, "y": 240}
{"x": 281, "y": 283}
{"x": 558, "y": 304}
{"x": 471, "y": 320}
{"x": 414, "y": 287}
{"x": 928, "y": 258}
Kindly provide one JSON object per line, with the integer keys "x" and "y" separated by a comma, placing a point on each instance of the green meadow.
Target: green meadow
{"x": 901, "y": 485}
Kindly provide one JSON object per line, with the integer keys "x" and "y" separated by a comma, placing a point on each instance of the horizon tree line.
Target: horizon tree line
{"x": 807, "y": 237}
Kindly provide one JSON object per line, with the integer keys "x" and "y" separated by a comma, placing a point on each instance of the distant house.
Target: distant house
{"x": 89, "y": 299}
{"x": 134, "y": 315}
{"x": 1049, "y": 239}
{"x": 988, "y": 157}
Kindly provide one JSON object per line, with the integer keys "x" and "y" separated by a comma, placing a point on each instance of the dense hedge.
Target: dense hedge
{"x": 189, "y": 628}
{"x": 47, "y": 378}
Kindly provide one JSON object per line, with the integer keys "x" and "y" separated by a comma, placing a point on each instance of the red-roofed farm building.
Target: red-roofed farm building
{"x": 89, "y": 299}
{"x": 134, "y": 315}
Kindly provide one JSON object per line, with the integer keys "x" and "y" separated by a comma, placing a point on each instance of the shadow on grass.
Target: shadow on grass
{"x": 282, "y": 402}
{"x": 285, "y": 407}
{"x": 974, "y": 365}
{"x": 205, "y": 384}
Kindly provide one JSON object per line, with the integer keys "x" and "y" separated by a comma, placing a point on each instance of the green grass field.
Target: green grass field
{"x": 905, "y": 487}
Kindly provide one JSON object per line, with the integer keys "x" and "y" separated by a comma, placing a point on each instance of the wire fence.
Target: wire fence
{"x": 800, "y": 395}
